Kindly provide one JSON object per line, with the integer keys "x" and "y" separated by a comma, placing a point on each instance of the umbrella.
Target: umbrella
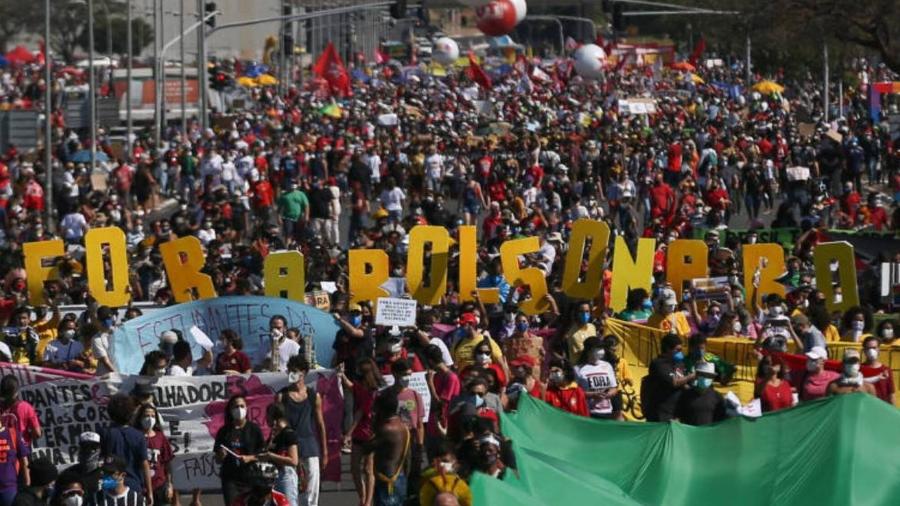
{"x": 247, "y": 82}
{"x": 332, "y": 111}
{"x": 683, "y": 66}
{"x": 19, "y": 55}
{"x": 697, "y": 79}
{"x": 768, "y": 87}
{"x": 84, "y": 156}
{"x": 266, "y": 80}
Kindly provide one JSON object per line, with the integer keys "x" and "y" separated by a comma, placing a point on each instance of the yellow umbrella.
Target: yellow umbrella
{"x": 247, "y": 82}
{"x": 697, "y": 79}
{"x": 266, "y": 80}
{"x": 768, "y": 87}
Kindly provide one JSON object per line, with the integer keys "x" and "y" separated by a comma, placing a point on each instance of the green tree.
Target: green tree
{"x": 14, "y": 14}
{"x": 141, "y": 35}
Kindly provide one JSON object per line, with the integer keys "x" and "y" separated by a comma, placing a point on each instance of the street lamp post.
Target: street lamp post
{"x": 48, "y": 134}
{"x": 183, "y": 74}
{"x": 92, "y": 95}
{"x": 128, "y": 121}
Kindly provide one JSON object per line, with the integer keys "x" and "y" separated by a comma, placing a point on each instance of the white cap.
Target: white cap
{"x": 89, "y": 437}
{"x": 168, "y": 337}
{"x": 817, "y": 353}
{"x": 706, "y": 369}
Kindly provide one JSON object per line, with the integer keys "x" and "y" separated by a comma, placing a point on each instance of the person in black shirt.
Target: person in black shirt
{"x": 114, "y": 491}
{"x": 662, "y": 387}
{"x": 237, "y": 444}
{"x": 283, "y": 451}
{"x": 701, "y": 405}
{"x": 88, "y": 466}
{"x": 69, "y": 490}
{"x": 42, "y": 473}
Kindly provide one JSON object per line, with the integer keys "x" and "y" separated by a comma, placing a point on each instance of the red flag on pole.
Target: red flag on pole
{"x": 476, "y": 73}
{"x": 330, "y": 67}
{"x": 699, "y": 47}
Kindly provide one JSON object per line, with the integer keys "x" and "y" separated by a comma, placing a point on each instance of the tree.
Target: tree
{"x": 14, "y": 14}
{"x": 141, "y": 35}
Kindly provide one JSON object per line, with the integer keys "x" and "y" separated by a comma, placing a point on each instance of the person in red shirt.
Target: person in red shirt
{"x": 562, "y": 390}
{"x": 717, "y": 198}
{"x": 884, "y": 387}
{"x": 18, "y": 413}
{"x": 263, "y": 196}
{"x": 773, "y": 391}
{"x": 159, "y": 454}
{"x": 34, "y": 194}
{"x": 876, "y": 215}
{"x": 537, "y": 175}
{"x": 850, "y": 201}
{"x": 662, "y": 200}
{"x": 232, "y": 360}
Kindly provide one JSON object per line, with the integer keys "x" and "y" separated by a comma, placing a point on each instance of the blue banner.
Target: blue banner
{"x": 248, "y": 316}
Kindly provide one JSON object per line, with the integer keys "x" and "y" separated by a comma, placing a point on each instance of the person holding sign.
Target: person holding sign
{"x": 237, "y": 444}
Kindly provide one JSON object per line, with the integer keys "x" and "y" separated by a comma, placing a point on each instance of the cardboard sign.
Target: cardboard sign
{"x": 391, "y": 311}
{"x": 318, "y": 299}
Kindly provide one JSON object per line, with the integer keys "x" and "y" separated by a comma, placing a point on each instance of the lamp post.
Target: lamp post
{"x": 92, "y": 95}
{"x": 128, "y": 120}
{"x": 183, "y": 74}
{"x": 48, "y": 134}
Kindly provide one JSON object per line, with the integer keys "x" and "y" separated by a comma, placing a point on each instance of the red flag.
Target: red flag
{"x": 699, "y": 47}
{"x": 330, "y": 67}
{"x": 380, "y": 56}
{"x": 476, "y": 73}
{"x": 42, "y": 57}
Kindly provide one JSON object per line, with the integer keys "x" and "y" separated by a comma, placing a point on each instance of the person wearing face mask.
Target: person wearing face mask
{"x": 43, "y": 473}
{"x": 666, "y": 315}
{"x": 523, "y": 382}
{"x": 581, "y": 329}
{"x": 815, "y": 382}
{"x": 701, "y": 404}
{"x": 482, "y": 360}
{"x": 17, "y": 412}
{"x": 597, "y": 378}
{"x": 883, "y": 379}
{"x": 100, "y": 344}
{"x": 155, "y": 364}
{"x": 772, "y": 389}
{"x": 885, "y": 332}
{"x": 352, "y": 341}
{"x": 805, "y": 334}
{"x": 638, "y": 306}
{"x": 283, "y": 345}
{"x": 69, "y": 489}
{"x": 713, "y": 317}
{"x": 469, "y": 338}
{"x": 232, "y": 360}
{"x": 88, "y": 467}
{"x": 160, "y": 455}
{"x": 121, "y": 439}
{"x": 114, "y": 488}
{"x": 856, "y": 324}
{"x": 442, "y": 478}
{"x": 851, "y": 379}
{"x": 303, "y": 409}
{"x": 282, "y": 451}
{"x": 237, "y": 444}
{"x": 523, "y": 343}
{"x": 665, "y": 381}
{"x": 562, "y": 391}
{"x": 444, "y": 385}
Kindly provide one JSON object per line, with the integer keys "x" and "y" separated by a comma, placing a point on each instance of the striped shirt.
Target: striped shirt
{"x": 129, "y": 498}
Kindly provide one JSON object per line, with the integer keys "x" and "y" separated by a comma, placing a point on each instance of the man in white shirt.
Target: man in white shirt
{"x": 74, "y": 226}
{"x": 100, "y": 343}
{"x": 182, "y": 361}
{"x": 373, "y": 161}
{"x": 598, "y": 378}
{"x": 434, "y": 169}
{"x": 63, "y": 349}
{"x": 206, "y": 233}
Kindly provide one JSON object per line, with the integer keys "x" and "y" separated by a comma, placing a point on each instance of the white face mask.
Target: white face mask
{"x": 598, "y": 354}
{"x": 294, "y": 377}
{"x": 858, "y": 325}
{"x": 73, "y": 500}
{"x": 887, "y": 333}
{"x": 838, "y": 298}
{"x": 148, "y": 422}
{"x": 872, "y": 354}
{"x": 448, "y": 467}
{"x": 483, "y": 358}
{"x": 403, "y": 381}
{"x": 239, "y": 413}
{"x": 556, "y": 377}
{"x": 737, "y": 327}
{"x": 851, "y": 370}
{"x": 776, "y": 311}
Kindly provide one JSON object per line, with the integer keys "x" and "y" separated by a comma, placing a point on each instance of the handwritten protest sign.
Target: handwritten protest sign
{"x": 192, "y": 410}
{"x": 248, "y": 316}
{"x": 392, "y": 311}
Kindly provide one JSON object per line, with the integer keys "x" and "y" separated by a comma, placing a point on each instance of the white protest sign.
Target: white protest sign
{"x": 201, "y": 338}
{"x": 392, "y": 311}
{"x": 419, "y": 383}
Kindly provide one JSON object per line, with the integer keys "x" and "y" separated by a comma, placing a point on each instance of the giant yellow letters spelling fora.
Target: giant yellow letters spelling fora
{"x": 368, "y": 269}
{"x": 589, "y": 287}
{"x": 531, "y": 276}
{"x": 35, "y": 254}
{"x": 285, "y": 275}
{"x": 108, "y": 292}
{"x": 631, "y": 273}
{"x": 430, "y": 294}
{"x": 184, "y": 259}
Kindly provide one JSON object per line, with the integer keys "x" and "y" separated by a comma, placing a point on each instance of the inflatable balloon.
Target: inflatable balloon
{"x": 589, "y": 61}
{"x": 499, "y": 17}
{"x": 521, "y": 10}
{"x": 446, "y": 51}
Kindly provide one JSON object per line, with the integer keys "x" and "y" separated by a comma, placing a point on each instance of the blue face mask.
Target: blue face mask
{"x": 704, "y": 383}
{"x": 478, "y": 400}
{"x": 109, "y": 484}
{"x": 356, "y": 321}
{"x": 108, "y": 323}
{"x": 522, "y": 326}
{"x": 678, "y": 357}
{"x": 585, "y": 317}
{"x": 647, "y": 305}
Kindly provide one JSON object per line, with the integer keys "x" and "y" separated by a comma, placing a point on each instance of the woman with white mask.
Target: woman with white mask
{"x": 238, "y": 443}
{"x": 160, "y": 455}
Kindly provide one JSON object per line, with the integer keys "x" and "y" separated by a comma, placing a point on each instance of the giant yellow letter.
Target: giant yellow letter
{"x": 842, "y": 253}
{"x": 467, "y": 266}
{"x": 589, "y": 287}
{"x": 94, "y": 242}
{"x": 685, "y": 260}
{"x": 285, "y": 275}
{"x": 630, "y": 273}
{"x": 183, "y": 259}
{"x": 35, "y": 254}
{"x": 531, "y": 276}
{"x": 773, "y": 268}
{"x": 368, "y": 271}
{"x": 430, "y": 294}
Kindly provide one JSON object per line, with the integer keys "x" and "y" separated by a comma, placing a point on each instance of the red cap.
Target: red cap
{"x": 468, "y": 318}
{"x": 525, "y": 360}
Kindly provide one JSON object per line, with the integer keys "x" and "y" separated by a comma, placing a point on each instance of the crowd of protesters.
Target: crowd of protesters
{"x": 552, "y": 149}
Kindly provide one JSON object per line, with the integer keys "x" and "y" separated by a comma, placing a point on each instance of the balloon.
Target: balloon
{"x": 446, "y": 51}
{"x": 589, "y": 61}
{"x": 496, "y": 18}
{"x": 474, "y": 3}
{"x": 521, "y": 10}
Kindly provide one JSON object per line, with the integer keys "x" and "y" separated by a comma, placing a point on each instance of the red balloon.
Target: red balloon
{"x": 496, "y": 18}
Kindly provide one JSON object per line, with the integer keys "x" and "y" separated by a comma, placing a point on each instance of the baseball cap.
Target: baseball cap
{"x": 523, "y": 360}
{"x": 468, "y": 318}
{"x": 354, "y": 307}
{"x": 89, "y": 437}
{"x": 819, "y": 353}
